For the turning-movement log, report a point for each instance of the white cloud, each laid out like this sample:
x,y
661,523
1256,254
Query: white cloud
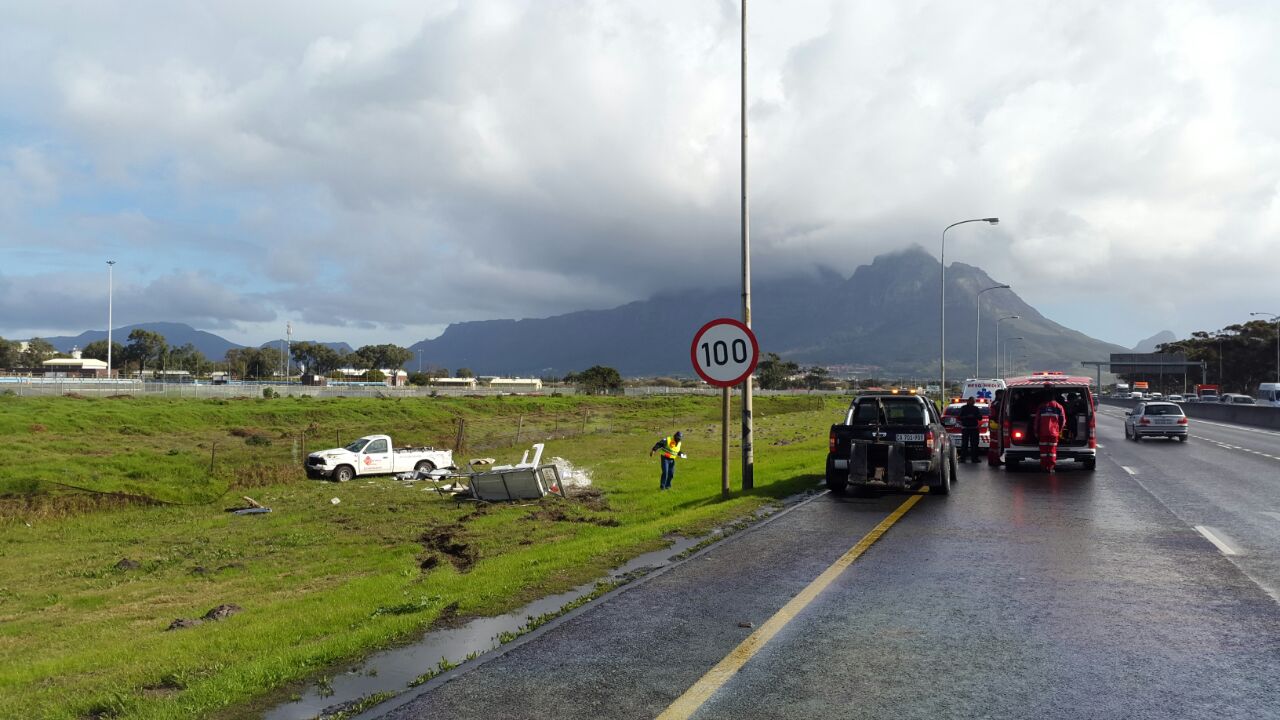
x,y
412,164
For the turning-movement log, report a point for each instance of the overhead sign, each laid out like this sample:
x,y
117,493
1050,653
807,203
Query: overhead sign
x,y
724,352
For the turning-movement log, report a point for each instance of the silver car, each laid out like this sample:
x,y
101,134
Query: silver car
x,y
1155,419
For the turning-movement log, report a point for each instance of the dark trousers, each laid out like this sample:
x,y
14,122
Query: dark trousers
x,y
668,472
969,443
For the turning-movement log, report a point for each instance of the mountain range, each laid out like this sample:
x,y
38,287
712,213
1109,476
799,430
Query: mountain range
x,y
211,346
882,320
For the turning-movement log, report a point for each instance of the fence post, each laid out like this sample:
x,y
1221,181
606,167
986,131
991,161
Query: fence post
x,y
213,451
585,414
519,428
459,442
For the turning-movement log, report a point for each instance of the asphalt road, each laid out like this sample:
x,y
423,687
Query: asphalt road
x,y
1074,595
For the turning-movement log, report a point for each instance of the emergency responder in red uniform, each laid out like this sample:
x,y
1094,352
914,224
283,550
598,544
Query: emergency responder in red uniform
x,y
996,427
1050,418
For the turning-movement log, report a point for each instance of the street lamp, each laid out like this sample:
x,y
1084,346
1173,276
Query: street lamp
x,y
1277,317
111,264
419,361
977,333
942,307
1006,349
998,321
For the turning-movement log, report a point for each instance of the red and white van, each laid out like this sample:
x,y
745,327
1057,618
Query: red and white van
x,y
1023,395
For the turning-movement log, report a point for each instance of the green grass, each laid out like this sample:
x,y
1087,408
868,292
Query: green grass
x,y
319,584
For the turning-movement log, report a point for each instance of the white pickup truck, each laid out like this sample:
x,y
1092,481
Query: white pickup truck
x,y
375,455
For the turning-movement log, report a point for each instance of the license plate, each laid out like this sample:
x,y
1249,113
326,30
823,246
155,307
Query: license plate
x,y
910,437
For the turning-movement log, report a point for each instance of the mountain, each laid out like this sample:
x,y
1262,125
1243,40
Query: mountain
x,y
175,334
1149,345
884,316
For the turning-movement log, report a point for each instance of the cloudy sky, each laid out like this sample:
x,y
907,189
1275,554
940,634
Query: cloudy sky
x,y
374,171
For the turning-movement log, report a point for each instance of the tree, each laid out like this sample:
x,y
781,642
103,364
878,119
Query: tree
x,y
815,376
144,346
383,357
316,358
38,350
1237,357
8,354
774,374
97,350
254,362
186,358
598,380
375,375
464,373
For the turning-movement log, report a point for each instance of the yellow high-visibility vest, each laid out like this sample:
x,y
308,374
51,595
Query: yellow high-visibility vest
x,y
670,448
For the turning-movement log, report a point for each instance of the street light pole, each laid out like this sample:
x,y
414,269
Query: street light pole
x,y
1277,318
111,265
977,333
997,352
748,452
1006,349
942,308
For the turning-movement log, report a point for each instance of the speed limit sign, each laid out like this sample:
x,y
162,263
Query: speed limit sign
x,y
724,352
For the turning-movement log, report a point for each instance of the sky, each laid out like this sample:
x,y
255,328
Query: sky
x,y
374,171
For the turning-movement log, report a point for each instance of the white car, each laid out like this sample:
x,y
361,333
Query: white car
x,y
374,455
1155,419
1176,398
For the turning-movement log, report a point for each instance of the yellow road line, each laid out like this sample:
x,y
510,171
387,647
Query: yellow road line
x,y
693,698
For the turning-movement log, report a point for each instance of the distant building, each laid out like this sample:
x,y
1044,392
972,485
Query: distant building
x,y
394,378
465,383
74,367
515,384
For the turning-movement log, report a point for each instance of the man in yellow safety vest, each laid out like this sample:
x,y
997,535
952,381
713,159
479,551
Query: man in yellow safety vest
x,y
670,447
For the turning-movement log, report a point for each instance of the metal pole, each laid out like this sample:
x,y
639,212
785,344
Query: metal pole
x,y
997,352
111,266
977,333
942,308
748,455
724,442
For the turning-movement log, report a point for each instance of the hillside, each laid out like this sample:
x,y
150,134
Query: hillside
x,y
884,316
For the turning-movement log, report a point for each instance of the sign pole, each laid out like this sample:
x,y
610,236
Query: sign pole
x,y
748,452
724,442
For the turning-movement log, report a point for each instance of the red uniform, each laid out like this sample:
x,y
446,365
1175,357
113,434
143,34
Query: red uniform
x,y
1050,418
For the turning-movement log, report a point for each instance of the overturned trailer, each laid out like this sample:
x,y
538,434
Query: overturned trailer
x,y
525,480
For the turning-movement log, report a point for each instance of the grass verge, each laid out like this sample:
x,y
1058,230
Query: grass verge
x,y
84,633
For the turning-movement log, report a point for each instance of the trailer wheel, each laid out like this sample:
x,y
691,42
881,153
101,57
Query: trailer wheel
x,y
343,473
836,482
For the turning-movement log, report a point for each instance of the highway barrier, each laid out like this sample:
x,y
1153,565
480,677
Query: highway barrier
x,y
1252,415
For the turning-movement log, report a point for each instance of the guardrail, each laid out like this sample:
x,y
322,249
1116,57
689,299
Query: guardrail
x,y
1251,415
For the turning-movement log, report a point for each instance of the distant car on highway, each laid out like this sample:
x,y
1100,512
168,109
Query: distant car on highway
x,y
1236,399
1176,398
1155,419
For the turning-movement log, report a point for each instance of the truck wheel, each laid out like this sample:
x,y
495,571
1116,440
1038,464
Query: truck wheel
x,y
1091,464
1182,438
424,467
943,487
343,473
954,475
836,482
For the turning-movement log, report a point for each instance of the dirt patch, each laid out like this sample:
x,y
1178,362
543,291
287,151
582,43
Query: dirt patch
x,y
444,542
222,612
37,428
245,432
127,564
558,513
590,498
75,395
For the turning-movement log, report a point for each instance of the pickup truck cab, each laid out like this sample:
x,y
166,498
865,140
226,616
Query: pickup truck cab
x,y
374,455
890,441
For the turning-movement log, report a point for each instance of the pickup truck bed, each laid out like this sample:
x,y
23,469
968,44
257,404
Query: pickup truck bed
x,y
890,441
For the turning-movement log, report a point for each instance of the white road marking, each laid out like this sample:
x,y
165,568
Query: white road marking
x,y
1217,542
1128,469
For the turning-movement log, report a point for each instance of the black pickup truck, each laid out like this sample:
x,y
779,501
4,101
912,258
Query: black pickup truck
x,y
890,441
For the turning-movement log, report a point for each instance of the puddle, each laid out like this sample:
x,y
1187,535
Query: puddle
x,y
391,671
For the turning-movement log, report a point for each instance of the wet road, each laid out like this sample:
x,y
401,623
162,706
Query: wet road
x,y
1020,595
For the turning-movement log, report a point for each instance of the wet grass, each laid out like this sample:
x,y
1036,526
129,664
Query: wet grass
x,y
84,635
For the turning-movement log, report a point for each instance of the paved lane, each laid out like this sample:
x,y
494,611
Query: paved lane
x,y
1064,596
1225,480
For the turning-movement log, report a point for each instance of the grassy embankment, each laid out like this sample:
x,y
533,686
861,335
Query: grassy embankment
x,y
319,583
